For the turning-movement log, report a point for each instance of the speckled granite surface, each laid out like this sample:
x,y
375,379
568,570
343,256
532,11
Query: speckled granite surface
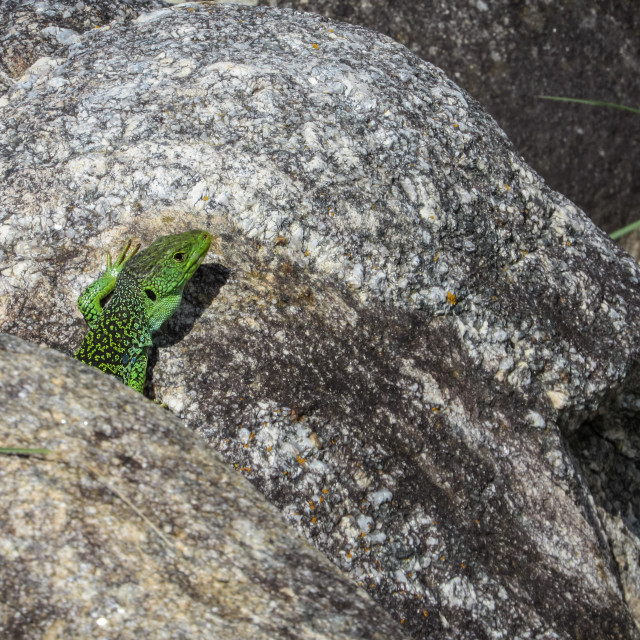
x,y
402,324
133,528
507,54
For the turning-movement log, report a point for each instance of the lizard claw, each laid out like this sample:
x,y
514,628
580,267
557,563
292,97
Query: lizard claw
x,y
123,257
123,253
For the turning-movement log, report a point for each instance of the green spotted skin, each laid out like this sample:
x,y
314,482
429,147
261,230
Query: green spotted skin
x,y
146,289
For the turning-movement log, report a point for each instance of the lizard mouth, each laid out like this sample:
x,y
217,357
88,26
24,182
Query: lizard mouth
x,y
198,254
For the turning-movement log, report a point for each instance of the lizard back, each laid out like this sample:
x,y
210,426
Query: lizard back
x,y
121,334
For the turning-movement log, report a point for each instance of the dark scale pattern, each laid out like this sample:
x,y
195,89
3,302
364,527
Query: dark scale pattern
x,y
148,289
122,334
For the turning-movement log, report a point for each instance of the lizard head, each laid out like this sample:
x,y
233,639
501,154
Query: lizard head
x,y
162,270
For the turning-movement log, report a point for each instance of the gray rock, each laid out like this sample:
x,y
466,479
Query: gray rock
x,y
33,29
5,82
131,528
401,328
506,54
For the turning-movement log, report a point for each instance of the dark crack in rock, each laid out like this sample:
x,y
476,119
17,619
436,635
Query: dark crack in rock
x,y
401,328
133,528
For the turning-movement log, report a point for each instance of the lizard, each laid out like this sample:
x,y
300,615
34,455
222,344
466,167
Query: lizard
x,y
146,289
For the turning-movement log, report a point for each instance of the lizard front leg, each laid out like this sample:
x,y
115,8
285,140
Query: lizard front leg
x,y
90,300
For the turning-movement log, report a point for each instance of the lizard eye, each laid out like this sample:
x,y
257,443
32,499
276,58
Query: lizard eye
x,y
180,256
150,294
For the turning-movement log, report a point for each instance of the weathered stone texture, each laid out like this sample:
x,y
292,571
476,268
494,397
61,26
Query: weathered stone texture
x,y
506,54
33,29
131,528
403,323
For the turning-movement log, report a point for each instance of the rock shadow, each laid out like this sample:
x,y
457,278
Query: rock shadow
x,y
198,295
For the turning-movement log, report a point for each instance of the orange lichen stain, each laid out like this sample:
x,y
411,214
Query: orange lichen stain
x,y
463,565
402,621
425,613
442,557
348,554
245,468
455,125
507,187
205,198
252,435
321,500
246,446
301,460
315,46
435,409
284,473
311,505
568,243
313,519
436,257
268,448
325,491
306,253
451,298
236,465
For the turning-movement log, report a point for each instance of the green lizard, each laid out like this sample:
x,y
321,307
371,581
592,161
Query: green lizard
x,y
147,289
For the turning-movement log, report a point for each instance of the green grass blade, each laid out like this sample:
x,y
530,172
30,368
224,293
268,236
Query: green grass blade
x,y
623,232
24,452
593,103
